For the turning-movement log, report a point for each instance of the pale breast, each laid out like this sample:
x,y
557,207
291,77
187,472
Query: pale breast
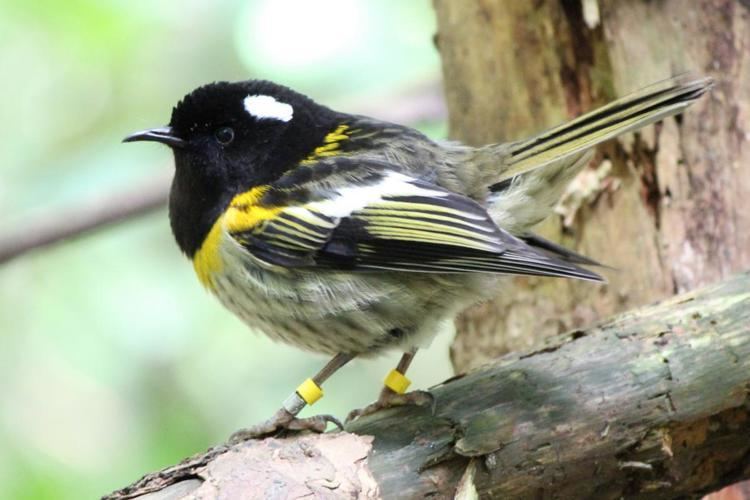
x,y
330,312
327,313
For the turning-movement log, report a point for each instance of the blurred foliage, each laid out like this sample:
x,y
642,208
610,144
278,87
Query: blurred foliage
x,y
113,360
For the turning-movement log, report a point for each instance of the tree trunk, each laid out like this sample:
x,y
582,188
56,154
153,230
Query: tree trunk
x,y
667,207
653,404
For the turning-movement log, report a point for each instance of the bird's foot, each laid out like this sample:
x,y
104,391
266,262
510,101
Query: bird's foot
x,y
283,421
390,399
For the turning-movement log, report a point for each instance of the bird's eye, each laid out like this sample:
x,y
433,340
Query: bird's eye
x,y
224,135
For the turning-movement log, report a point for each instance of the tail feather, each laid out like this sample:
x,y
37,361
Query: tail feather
x,y
552,248
627,114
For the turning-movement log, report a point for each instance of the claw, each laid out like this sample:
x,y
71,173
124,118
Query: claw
x,y
282,421
318,423
390,399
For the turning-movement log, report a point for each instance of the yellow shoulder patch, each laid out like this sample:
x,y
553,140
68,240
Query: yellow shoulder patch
x,y
243,214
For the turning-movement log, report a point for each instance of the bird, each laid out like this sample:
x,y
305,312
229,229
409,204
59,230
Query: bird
x,y
350,236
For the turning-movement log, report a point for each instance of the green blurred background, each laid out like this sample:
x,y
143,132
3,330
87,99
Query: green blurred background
x,y
113,360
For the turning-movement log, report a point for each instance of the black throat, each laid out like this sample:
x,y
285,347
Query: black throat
x,y
194,207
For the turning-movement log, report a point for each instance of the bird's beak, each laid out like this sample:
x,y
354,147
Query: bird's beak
x,y
165,135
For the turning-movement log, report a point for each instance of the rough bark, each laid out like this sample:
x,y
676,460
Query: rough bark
x,y
666,207
654,403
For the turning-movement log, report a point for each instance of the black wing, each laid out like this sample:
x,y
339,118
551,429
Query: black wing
x,y
390,221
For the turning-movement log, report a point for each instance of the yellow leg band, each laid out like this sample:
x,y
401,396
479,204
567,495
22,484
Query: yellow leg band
x,y
397,381
310,391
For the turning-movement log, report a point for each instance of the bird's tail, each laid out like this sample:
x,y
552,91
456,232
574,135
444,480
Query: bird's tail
x,y
627,114
535,172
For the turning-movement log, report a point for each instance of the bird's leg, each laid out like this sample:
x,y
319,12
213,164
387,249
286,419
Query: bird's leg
x,y
306,394
394,393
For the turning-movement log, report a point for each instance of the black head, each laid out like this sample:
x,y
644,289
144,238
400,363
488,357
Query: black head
x,y
229,137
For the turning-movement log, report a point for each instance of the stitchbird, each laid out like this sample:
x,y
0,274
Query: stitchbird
x,y
346,235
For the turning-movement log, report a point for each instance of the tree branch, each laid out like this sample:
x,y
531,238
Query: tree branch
x,y
654,403
414,105
80,219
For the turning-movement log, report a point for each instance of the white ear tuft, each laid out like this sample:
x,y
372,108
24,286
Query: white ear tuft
x,y
265,106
